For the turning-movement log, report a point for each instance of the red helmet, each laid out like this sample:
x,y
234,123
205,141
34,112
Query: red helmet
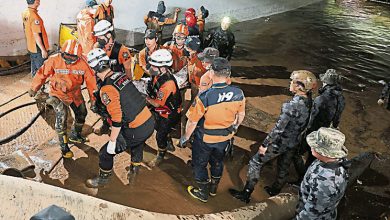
x,y
191,21
71,51
189,12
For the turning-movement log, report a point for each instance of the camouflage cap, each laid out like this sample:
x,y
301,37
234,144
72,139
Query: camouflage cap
x,y
330,77
328,142
221,67
208,54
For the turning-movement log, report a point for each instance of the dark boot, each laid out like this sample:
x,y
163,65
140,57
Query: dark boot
x,y
214,185
99,181
244,195
75,134
170,146
201,193
104,129
133,172
271,190
65,150
158,159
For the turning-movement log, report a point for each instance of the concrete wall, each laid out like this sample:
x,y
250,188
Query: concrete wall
x,y
129,15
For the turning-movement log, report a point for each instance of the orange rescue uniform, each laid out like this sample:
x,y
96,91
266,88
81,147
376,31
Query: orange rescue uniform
x,y
33,23
143,56
195,70
216,111
85,24
163,93
206,82
124,57
104,13
179,60
66,80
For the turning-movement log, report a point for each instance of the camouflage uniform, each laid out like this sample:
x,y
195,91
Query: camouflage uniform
x,y
386,94
321,190
326,111
282,140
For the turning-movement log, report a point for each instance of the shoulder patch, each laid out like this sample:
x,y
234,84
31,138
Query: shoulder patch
x,y
160,95
37,22
105,99
125,55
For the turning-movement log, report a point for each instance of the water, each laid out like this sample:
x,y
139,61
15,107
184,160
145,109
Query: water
x,y
350,36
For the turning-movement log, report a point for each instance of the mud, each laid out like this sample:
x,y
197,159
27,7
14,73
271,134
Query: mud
x,y
347,35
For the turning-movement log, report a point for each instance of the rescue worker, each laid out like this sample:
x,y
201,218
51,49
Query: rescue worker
x,y
176,47
132,122
105,11
222,39
207,58
284,138
119,55
105,34
151,46
385,95
156,20
66,71
214,116
85,24
326,179
36,36
327,107
164,96
191,22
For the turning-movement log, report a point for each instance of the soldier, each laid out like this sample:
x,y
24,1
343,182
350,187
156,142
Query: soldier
x,y
285,136
327,107
385,95
132,122
222,39
67,71
164,97
215,117
326,179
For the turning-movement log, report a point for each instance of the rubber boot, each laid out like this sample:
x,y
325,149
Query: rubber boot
x,y
244,195
170,146
201,193
272,190
101,180
214,185
65,150
75,134
104,129
158,159
133,172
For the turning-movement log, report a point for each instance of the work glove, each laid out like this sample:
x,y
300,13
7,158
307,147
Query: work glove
x,y
381,102
31,93
111,147
182,142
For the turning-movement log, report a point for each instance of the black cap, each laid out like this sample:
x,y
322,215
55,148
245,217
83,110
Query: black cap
x,y
30,2
150,33
221,66
193,43
208,54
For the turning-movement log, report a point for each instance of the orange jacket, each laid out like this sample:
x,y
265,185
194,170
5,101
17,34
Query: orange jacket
x,y
195,70
201,24
33,23
85,23
179,60
65,80
143,55
104,13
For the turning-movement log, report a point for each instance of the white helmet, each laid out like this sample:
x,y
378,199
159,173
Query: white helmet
x,y
98,60
102,27
161,57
